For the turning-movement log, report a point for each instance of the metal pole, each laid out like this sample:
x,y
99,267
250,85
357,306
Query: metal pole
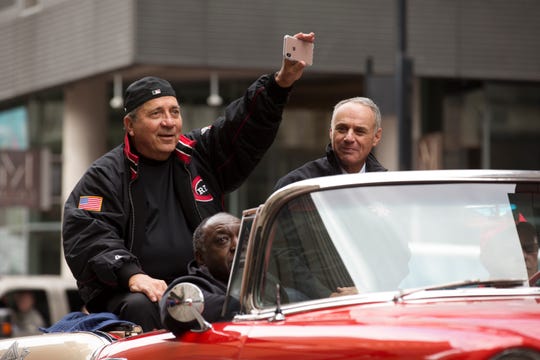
x,y
403,89
486,138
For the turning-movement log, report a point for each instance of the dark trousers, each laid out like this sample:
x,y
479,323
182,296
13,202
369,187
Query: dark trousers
x,y
134,307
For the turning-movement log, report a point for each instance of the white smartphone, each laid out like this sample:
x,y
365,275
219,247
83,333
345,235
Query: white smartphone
x,y
295,49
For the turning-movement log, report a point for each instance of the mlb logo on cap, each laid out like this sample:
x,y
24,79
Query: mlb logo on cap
x,y
145,89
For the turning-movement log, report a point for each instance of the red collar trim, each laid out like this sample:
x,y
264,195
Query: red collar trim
x,y
183,151
133,159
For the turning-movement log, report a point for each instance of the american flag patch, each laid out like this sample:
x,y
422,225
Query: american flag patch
x,y
90,203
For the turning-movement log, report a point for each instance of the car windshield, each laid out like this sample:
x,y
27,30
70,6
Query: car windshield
x,y
387,238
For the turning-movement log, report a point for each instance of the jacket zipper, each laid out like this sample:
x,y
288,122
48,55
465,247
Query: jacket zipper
x,y
132,238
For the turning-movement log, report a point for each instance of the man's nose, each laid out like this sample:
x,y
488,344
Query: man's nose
x,y
234,244
349,135
167,120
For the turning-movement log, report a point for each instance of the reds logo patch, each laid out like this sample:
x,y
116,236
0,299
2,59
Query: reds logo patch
x,y
200,191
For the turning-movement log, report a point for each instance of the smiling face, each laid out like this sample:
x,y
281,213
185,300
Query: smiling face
x,y
156,127
353,134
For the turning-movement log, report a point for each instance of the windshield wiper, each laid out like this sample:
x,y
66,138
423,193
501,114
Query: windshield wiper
x,y
495,283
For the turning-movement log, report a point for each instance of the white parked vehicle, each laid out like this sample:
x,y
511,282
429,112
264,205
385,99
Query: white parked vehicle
x,y
55,296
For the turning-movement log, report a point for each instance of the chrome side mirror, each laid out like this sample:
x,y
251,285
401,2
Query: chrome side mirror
x,y
185,303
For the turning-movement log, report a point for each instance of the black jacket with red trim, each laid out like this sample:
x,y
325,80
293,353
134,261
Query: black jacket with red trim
x,y
210,162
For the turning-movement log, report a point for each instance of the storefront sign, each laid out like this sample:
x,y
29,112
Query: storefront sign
x,y
25,178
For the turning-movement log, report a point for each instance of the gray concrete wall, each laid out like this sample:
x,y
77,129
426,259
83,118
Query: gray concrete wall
x,y
64,42
73,39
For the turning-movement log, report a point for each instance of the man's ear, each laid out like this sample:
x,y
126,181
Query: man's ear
x,y
199,258
377,137
128,125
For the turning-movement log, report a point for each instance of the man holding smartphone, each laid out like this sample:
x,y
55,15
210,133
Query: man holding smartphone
x,y
128,223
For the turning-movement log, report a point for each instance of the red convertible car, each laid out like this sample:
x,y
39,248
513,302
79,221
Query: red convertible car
x,y
397,265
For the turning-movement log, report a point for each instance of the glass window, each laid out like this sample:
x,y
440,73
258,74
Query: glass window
x,y
31,134
231,304
388,238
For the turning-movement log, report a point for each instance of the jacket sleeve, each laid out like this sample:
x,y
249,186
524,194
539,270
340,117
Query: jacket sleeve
x,y
235,143
311,169
93,238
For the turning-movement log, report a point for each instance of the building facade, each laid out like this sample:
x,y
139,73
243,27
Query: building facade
x,y
472,93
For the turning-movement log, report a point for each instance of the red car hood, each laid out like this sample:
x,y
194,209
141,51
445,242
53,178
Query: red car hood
x,y
450,325
457,328
519,315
